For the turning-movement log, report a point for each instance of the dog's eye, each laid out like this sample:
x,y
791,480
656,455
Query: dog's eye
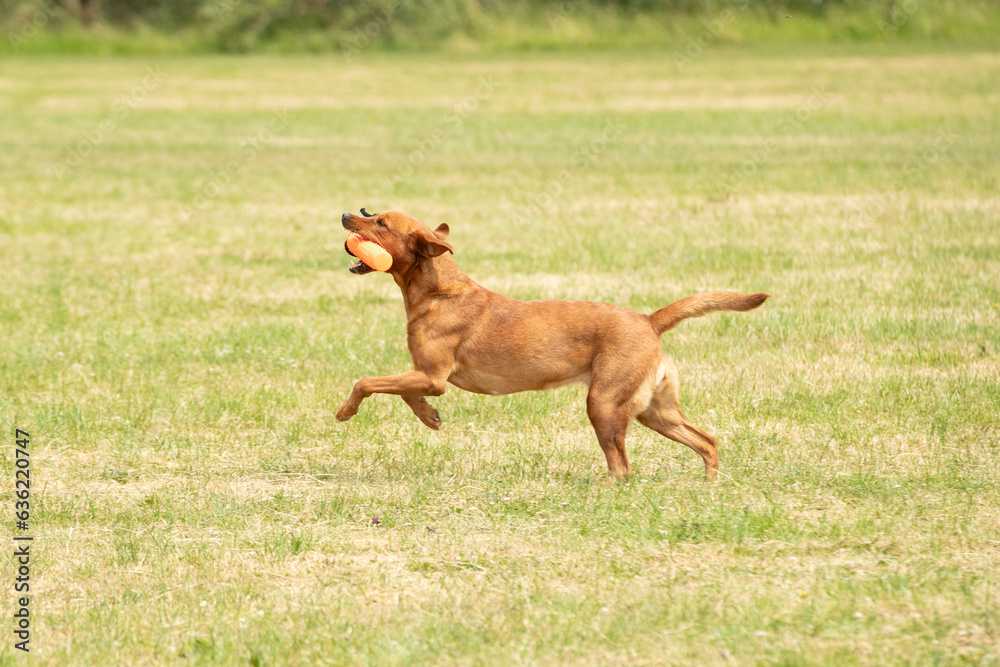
x,y
380,223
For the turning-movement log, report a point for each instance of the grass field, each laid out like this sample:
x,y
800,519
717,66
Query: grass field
x,y
178,329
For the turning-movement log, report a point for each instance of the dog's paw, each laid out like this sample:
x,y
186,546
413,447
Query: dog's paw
x,y
424,411
345,412
431,418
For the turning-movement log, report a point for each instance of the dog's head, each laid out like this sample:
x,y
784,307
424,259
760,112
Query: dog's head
x,y
408,240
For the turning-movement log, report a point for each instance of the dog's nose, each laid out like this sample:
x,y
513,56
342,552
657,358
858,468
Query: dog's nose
x,y
345,217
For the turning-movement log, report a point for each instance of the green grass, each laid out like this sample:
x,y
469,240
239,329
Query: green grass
x,y
196,502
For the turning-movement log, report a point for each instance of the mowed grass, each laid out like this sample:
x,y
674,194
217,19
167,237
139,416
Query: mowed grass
x,y
178,349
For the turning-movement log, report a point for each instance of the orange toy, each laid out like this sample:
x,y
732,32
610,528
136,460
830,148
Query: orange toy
x,y
369,252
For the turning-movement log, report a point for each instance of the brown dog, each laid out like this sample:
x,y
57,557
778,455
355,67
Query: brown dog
x,y
480,341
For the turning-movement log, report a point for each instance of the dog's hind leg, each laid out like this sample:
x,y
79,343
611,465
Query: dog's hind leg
x,y
610,421
664,416
424,410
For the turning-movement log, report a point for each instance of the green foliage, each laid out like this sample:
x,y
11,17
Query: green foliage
x,y
352,26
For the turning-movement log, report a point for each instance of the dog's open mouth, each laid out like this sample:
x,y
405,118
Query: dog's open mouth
x,y
358,267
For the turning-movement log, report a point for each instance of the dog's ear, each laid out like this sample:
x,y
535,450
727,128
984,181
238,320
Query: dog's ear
x,y
442,230
432,244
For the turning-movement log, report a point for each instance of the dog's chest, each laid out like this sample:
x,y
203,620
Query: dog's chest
x,y
479,381
511,378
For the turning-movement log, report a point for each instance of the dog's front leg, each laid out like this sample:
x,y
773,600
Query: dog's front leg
x,y
411,386
424,410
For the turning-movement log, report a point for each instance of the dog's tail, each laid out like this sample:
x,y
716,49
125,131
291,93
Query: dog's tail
x,y
702,304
